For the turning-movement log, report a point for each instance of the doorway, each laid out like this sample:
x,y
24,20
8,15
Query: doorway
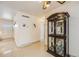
x,y
7,43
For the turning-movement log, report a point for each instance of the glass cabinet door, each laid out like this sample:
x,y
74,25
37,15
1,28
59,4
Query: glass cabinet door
x,y
51,43
58,36
60,27
60,46
51,27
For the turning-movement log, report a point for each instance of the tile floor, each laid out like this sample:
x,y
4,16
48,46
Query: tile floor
x,y
8,49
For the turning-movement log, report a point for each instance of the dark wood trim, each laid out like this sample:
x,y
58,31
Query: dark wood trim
x,y
55,37
61,2
53,53
58,36
56,55
54,18
65,37
48,34
68,37
53,15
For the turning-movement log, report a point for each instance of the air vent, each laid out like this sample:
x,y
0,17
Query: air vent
x,y
25,16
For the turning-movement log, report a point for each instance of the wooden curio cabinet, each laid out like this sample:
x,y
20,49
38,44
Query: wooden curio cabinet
x,y
58,34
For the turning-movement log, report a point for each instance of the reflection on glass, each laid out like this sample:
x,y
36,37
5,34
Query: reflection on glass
x,y
60,27
51,43
60,46
51,27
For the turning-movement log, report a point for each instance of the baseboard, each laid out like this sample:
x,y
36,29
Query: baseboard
x,y
71,55
29,44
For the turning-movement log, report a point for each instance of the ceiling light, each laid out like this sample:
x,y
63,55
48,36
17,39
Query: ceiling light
x,y
46,4
16,25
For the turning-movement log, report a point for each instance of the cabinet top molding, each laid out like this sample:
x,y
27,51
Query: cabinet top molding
x,y
56,15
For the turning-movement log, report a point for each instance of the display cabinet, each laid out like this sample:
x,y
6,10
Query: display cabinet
x,y
58,34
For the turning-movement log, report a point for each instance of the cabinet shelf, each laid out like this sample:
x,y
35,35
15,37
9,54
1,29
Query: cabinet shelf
x,y
59,36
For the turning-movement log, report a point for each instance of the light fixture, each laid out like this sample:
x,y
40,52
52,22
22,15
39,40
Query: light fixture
x,y
46,4
16,25
61,2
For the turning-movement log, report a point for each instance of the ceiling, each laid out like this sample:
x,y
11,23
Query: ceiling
x,y
31,7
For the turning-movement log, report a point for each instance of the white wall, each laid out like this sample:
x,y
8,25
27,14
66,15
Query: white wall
x,y
43,29
73,10
25,35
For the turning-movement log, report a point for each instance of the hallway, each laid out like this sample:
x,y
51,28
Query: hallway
x,y
9,49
